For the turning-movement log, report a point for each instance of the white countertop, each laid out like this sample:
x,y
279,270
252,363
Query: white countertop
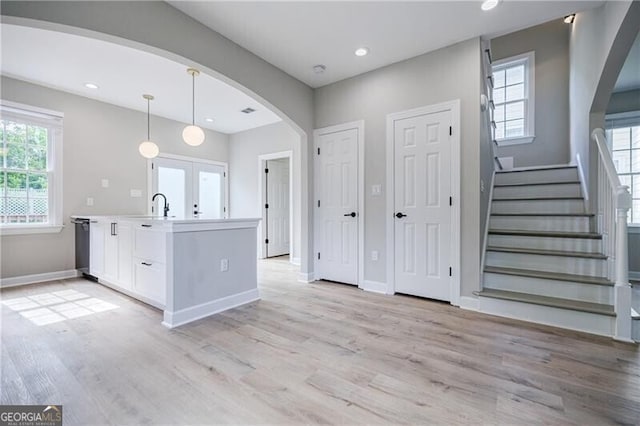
x,y
174,221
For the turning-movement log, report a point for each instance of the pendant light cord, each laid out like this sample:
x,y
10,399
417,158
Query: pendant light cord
x,y
193,99
148,121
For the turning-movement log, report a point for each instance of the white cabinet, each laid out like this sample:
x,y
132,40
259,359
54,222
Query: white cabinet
x,y
150,242
110,252
96,242
150,280
125,254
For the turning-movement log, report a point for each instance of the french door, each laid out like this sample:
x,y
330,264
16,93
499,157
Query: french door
x,y
192,188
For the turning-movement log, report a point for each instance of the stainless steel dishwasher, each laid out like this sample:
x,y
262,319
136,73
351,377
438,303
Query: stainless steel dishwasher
x,y
83,246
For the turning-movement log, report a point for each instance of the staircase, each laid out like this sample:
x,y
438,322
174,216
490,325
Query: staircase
x,y
544,260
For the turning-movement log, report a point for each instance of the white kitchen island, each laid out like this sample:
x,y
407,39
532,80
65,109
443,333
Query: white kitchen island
x,y
190,268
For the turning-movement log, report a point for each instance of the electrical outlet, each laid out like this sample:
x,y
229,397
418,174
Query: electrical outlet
x,y
105,183
224,265
376,190
374,255
90,201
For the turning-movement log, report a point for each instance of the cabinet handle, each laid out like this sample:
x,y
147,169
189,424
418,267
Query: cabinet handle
x,y
146,264
146,226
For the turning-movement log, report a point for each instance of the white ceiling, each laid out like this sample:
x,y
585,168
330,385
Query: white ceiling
x,y
63,61
629,78
295,36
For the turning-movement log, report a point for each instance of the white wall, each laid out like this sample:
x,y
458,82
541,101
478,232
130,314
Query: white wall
x,y
160,28
550,41
443,75
244,149
599,43
100,141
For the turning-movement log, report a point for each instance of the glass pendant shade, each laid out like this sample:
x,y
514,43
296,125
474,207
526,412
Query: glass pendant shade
x,y
148,149
193,135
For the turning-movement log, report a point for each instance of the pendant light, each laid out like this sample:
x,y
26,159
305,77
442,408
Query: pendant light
x,y
147,148
193,135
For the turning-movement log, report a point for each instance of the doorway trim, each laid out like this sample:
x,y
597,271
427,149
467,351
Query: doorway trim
x,y
223,164
262,251
359,126
454,107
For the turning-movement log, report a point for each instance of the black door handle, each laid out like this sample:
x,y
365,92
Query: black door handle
x,y
400,215
352,214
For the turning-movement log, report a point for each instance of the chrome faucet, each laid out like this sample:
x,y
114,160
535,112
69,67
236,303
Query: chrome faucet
x,y
166,205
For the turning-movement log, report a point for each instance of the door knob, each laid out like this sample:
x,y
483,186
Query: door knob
x,y
400,215
352,214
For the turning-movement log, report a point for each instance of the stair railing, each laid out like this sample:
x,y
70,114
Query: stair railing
x,y
488,106
614,202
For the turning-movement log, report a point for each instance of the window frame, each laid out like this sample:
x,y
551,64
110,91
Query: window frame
x,y
528,59
53,121
623,121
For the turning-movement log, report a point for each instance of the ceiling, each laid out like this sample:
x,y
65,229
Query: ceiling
x,y
295,36
629,77
66,62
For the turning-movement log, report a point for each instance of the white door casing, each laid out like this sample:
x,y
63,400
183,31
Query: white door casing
x,y
423,247
339,212
276,208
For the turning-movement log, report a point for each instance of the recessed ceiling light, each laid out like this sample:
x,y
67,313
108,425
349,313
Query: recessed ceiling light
x,y
570,18
209,120
91,85
489,4
362,51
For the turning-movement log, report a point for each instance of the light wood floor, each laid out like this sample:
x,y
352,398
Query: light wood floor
x,y
313,353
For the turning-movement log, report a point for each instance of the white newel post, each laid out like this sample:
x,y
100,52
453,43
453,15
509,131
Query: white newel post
x,y
622,286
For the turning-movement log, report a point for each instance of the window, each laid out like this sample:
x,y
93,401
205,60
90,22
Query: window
x,y
625,150
30,169
513,97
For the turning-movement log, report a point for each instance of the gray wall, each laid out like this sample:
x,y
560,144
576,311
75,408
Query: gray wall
x,y
160,28
446,74
624,101
100,141
244,149
550,41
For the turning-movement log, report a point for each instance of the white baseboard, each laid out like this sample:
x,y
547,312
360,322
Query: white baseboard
x,y
295,261
37,278
374,287
469,303
306,277
184,316
634,275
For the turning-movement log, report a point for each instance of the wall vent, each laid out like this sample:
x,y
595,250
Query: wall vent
x,y
248,110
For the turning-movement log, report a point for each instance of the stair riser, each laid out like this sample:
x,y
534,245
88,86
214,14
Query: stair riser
x,y
635,330
560,264
551,288
538,206
542,223
565,318
537,176
583,245
564,190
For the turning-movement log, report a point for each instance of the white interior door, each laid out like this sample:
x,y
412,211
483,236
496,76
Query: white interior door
x,y
338,209
173,178
191,187
276,212
208,191
422,176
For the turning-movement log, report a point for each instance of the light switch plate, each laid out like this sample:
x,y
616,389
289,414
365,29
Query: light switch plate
x,y
376,190
136,193
90,201
224,265
374,255
105,183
